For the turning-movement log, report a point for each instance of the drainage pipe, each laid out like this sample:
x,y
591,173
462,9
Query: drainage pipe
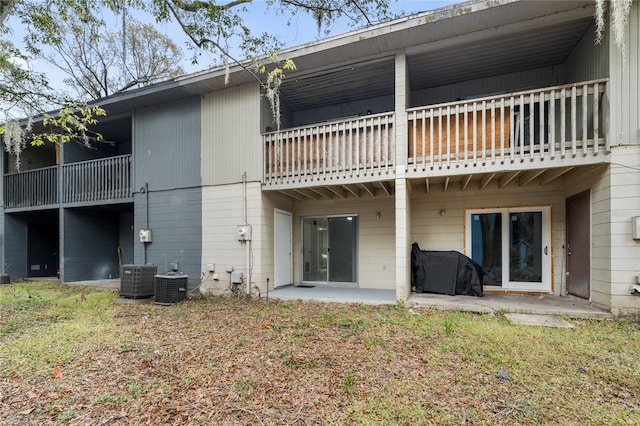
x,y
248,242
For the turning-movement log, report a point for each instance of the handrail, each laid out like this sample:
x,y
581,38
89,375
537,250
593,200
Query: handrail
x,y
362,146
558,121
97,180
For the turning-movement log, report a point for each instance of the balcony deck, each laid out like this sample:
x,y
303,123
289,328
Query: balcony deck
x,y
357,150
531,131
101,181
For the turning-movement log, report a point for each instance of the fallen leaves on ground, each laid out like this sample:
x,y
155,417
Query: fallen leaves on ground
x,y
237,361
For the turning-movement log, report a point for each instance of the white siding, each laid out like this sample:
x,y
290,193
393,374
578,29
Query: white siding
x,y
231,142
222,212
625,85
432,231
264,254
625,252
376,237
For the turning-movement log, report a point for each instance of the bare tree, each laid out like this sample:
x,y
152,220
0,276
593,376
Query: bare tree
x,y
100,62
214,26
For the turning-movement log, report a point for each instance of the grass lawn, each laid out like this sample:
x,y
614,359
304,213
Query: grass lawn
x,y
70,355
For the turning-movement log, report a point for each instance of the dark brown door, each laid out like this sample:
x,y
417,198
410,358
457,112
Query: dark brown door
x,y
579,245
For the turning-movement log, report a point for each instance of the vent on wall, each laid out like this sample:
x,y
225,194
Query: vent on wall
x,y
136,281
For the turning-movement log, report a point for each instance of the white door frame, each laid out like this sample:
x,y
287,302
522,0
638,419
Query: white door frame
x,y
282,248
545,285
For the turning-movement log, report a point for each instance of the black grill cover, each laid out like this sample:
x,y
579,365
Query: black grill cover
x,y
445,272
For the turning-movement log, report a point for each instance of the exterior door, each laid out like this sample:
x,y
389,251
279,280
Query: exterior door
x,y
43,250
513,246
283,228
579,245
329,249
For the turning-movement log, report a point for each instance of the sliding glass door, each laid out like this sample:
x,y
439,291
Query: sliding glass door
x,y
512,246
329,246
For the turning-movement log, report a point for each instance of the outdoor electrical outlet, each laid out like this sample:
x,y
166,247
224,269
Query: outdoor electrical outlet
x,y
211,267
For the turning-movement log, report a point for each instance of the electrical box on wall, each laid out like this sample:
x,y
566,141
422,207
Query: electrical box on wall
x,y
145,235
244,232
635,228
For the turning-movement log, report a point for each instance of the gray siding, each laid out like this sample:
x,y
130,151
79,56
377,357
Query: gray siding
x,y
530,79
32,157
3,265
231,142
175,218
74,152
167,145
126,235
588,61
90,245
344,110
15,244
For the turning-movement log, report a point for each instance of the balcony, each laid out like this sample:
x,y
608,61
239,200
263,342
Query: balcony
x,y
101,181
340,152
105,179
531,131
32,188
552,127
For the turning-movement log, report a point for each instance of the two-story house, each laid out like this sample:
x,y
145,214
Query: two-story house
x,y
498,129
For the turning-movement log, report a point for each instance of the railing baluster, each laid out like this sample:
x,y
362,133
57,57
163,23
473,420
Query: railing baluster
x,y
552,123
440,156
532,120
563,122
484,131
448,118
431,133
542,127
502,125
379,144
474,111
465,132
457,139
596,118
585,96
358,161
574,135
522,130
493,131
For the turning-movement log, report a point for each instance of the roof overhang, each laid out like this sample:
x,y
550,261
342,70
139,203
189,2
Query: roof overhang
x,y
476,29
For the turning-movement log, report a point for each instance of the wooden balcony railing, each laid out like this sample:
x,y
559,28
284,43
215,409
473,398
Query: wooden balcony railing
x,y
97,180
31,188
553,122
360,147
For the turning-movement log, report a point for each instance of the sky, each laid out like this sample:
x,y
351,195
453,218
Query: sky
x,y
302,30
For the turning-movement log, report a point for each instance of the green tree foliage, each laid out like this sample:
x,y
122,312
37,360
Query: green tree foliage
x,y
210,25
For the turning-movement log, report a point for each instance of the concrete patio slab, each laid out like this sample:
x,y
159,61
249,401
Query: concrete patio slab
x,y
493,303
539,320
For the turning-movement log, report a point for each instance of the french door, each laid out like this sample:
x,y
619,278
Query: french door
x,y
513,246
329,249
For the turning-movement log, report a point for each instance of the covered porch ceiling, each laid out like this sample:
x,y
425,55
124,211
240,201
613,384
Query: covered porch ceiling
x,y
512,37
523,179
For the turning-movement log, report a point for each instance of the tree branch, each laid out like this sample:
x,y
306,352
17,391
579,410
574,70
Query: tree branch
x,y
196,5
202,41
